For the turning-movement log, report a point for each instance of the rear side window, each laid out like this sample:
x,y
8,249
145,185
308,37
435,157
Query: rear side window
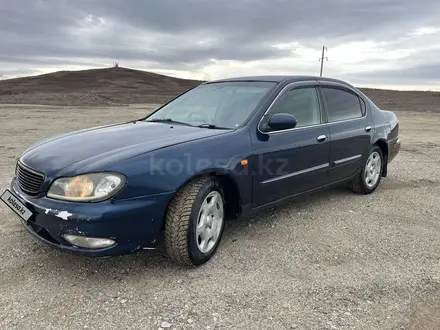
x,y
342,105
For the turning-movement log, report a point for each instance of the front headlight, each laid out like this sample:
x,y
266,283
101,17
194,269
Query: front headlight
x,y
91,187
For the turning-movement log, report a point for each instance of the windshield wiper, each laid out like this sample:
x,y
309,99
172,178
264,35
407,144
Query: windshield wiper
x,y
211,126
168,120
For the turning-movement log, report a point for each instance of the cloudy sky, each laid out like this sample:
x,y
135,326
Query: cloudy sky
x,y
378,43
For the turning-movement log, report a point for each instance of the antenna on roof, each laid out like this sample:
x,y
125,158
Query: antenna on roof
x,y
322,58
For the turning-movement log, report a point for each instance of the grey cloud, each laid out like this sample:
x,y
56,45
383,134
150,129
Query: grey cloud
x,y
5,74
37,32
169,54
31,60
276,18
427,73
185,54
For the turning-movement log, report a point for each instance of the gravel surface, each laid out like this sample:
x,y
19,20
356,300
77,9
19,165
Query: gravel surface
x,y
334,260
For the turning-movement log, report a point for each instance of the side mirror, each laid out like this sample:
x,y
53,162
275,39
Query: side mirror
x,y
281,121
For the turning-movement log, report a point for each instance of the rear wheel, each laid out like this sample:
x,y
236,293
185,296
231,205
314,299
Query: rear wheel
x,y
194,222
371,173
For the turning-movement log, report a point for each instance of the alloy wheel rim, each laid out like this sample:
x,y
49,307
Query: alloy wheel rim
x,y
209,222
372,169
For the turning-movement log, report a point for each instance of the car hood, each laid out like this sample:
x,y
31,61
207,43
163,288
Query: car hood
x,y
96,148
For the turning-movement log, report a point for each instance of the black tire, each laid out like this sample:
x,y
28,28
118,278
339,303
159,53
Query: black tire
x,y
357,184
181,221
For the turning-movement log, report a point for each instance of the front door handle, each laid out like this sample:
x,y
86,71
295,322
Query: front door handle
x,y
368,129
321,138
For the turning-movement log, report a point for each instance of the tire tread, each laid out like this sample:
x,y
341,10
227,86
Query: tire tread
x,y
177,221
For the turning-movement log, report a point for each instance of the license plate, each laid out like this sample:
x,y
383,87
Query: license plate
x,y
14,203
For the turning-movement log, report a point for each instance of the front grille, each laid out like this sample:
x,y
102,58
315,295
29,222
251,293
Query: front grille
x,y
29,181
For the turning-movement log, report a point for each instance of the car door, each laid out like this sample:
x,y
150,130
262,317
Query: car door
x,y
351,128
288,162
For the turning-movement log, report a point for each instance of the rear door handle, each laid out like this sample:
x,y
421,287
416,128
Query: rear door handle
x,y
321,138
368,129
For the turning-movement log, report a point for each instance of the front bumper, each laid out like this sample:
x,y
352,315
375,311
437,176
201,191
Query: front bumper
x,y
133,223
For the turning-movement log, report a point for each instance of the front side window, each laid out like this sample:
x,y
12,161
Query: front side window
x,y
302,103
223,104
341,105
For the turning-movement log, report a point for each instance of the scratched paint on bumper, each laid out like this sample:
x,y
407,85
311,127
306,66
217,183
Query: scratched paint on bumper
x,y
134,223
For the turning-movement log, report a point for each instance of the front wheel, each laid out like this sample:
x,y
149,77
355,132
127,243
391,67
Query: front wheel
x,y
371,173
194,222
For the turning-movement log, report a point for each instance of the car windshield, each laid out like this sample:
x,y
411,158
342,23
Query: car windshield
x,y
223,105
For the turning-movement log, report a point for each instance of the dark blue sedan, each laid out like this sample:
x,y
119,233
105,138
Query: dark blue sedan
x,y
221,150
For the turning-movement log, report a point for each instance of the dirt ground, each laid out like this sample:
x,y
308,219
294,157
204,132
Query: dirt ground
x,y
334,260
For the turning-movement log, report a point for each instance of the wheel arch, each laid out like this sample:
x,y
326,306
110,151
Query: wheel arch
x,y
232,193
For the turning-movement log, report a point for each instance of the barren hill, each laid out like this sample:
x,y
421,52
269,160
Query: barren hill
x,y
93,87
404,100
115,86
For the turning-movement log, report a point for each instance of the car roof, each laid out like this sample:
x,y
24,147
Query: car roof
x,y
276,79
280,79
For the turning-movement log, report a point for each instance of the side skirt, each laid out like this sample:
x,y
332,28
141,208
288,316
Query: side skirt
x,y
248,209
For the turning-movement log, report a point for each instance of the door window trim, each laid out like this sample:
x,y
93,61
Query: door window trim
x,y
291,86
319,85
333,85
